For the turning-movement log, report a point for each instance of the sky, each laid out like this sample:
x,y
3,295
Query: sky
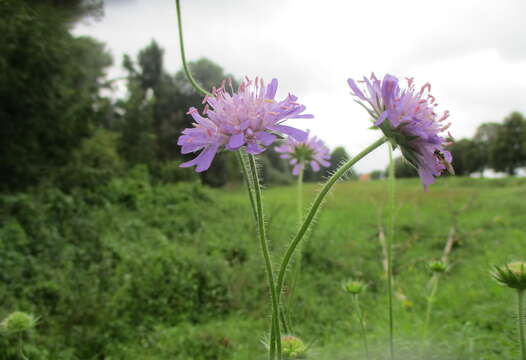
x,y
473,53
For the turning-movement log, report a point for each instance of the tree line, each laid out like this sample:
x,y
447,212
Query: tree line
x,y
500,146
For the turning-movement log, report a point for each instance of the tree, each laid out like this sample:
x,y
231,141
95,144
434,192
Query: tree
x,y
48,91
468,156
508,151
403,169
338,156
484,141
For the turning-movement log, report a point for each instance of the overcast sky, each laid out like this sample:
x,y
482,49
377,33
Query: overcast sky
x,y
472,52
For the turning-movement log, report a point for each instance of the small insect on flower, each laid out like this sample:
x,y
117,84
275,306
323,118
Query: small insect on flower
x,y
412,123
512,275
311,151
249,118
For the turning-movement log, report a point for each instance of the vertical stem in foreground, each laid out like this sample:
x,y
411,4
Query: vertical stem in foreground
x,y
287,324
390,237
520,310
362,325
300,196
275,343
243,163
430,301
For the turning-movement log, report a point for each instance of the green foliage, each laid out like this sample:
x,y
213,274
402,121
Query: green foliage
x,y
142,271
403,169
95,163
509,150
46,93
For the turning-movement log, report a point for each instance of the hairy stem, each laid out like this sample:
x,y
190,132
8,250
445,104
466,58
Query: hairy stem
x,y
362,325
297,263
390,237
300,196
243,164
520,311
430,301
275,330
316,205
186,69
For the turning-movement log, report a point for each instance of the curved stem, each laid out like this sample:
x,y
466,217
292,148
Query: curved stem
x,y
362,325
390,250
316,205
520,310
194,83
275,331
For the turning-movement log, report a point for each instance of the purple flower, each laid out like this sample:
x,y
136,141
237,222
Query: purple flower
x,y
249,117
411,122
311,151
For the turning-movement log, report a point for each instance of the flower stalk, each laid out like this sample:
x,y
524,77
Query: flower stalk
x,y
360,316
389,245
275,328
522,320
186,69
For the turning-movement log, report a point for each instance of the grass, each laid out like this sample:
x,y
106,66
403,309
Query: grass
x,y
472,318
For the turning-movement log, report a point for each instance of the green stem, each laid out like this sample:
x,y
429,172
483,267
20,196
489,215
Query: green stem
x,y
520,310
243,163
300,196
362,325
390,250
297,264
186,69
275,331
430,301
316,205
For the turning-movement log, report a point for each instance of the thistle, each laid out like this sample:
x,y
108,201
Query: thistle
x,y
513,275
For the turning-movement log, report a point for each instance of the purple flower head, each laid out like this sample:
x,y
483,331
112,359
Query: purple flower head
x,y
411,122
249,117
311,151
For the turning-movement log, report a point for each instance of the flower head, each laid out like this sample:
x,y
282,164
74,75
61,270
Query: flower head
x,y
437,267
249,117
353,287
412,122
18,322
293,347
310,151
512,275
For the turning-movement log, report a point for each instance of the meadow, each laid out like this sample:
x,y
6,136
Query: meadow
x,y
143,271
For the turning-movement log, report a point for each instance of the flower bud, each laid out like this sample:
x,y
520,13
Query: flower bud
x,y
18,322
512,275
354,287
293,348
437,267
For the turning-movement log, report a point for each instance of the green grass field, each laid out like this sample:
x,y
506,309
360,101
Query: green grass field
x,y
177,271
473,318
